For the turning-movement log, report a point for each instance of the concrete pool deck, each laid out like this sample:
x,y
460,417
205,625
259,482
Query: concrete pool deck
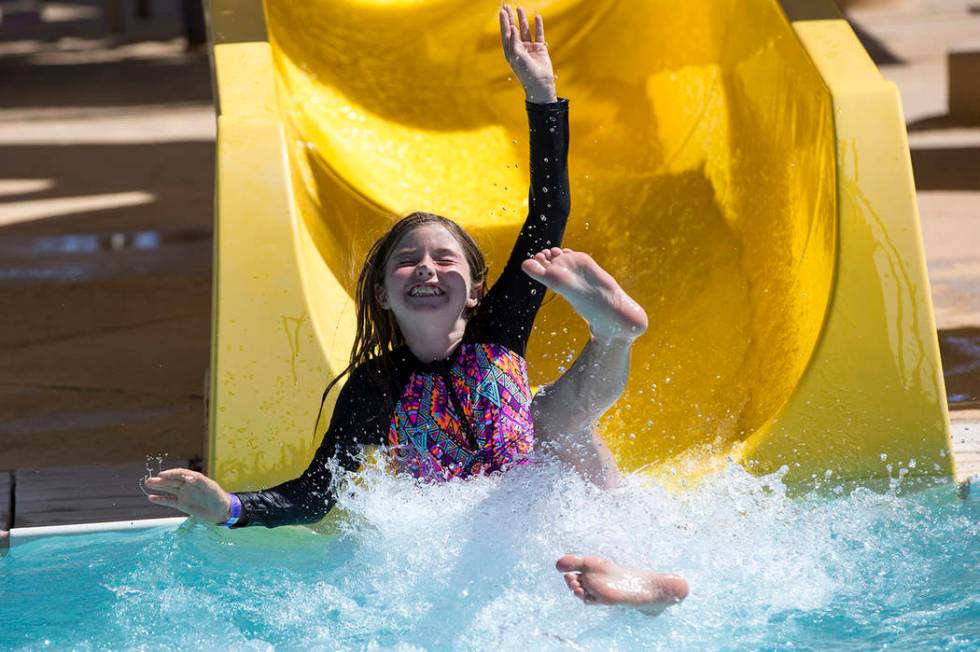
x,y
105,238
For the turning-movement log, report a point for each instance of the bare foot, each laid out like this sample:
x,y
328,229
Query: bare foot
x,y
595,295
595,580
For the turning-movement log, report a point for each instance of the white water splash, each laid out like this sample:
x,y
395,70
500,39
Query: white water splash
x,y
470,565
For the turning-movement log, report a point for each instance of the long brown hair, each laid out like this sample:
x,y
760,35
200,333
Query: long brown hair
x,y
377,330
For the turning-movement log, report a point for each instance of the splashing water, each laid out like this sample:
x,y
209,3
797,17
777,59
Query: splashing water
x,y
470,565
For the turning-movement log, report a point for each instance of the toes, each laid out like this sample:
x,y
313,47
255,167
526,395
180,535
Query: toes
x,y
575,581
568,563
674,586
574,563
575,586
533,267
571,579
597,565
546,253
556,251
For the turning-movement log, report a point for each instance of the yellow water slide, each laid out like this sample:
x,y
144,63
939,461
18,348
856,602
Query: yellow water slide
x,y
740,166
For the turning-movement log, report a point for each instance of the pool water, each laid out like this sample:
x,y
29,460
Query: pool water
x,y
470,566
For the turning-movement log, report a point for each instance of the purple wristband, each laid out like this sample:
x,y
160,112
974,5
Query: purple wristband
x,y
235,510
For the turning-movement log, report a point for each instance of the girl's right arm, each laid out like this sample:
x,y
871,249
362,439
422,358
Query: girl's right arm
x,y
303,500
308,498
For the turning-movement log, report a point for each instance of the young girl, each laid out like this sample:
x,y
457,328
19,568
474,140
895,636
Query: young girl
x,y
438,374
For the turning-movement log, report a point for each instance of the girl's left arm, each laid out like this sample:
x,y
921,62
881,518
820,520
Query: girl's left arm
x,y
547,114
510,307
549,196
528,55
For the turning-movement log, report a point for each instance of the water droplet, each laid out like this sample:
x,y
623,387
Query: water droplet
x,y
544,218
544,188
514,141
545,159
883,456
533,291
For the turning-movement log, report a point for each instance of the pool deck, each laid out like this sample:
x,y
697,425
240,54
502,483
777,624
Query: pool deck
x,y
82,494
965,441
106,192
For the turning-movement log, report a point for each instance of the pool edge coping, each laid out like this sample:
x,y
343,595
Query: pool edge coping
x,y
25,534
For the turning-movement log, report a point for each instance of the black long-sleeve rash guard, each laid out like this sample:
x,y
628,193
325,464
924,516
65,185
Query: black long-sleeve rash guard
x,y
362,414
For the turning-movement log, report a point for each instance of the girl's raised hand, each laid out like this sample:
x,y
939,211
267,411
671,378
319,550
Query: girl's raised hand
x,y
528,55
191,492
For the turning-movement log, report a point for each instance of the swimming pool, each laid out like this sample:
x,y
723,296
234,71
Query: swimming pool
x,y
469,565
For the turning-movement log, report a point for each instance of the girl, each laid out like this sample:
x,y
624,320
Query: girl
x,y
438,372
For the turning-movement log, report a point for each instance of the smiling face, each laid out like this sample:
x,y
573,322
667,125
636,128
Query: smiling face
x,y
427,276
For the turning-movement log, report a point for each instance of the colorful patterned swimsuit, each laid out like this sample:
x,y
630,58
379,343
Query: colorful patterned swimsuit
x,y
468,414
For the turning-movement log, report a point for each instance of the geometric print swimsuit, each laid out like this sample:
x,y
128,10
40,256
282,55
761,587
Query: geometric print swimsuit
x,y
470,416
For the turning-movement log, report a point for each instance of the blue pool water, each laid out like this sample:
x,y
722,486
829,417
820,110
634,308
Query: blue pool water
x,y
470,566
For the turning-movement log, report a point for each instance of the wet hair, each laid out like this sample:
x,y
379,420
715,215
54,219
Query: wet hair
x,y
378,333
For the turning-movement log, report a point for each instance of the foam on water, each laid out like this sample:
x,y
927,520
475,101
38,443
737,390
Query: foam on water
x,y
470,565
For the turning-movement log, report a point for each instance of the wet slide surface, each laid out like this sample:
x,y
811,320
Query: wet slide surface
x,y
702,171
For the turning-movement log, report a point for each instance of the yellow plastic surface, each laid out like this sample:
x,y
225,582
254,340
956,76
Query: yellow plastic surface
x,y
873,400
779,260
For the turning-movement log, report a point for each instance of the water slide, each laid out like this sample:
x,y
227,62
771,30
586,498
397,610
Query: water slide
x,y
741,167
